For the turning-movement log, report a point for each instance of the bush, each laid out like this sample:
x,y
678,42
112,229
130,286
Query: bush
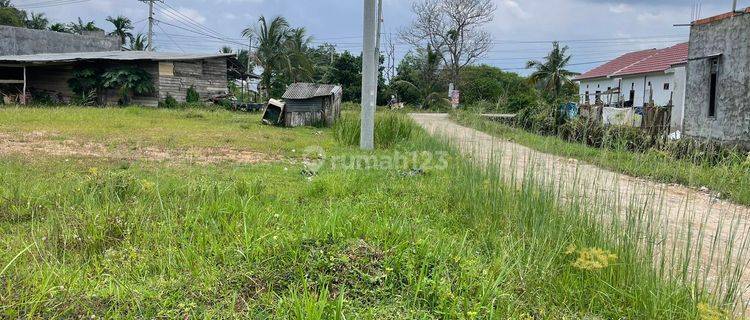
x,y
192,95
390,129
406,92
169,103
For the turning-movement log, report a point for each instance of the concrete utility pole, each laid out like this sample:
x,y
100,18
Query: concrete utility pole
x,y
369,75
150,46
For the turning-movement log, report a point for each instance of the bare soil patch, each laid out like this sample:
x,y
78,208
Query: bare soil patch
x,y
49,144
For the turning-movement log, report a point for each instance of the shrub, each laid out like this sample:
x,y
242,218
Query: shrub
x,y
390,129
192,95
169,102
128,81
406,92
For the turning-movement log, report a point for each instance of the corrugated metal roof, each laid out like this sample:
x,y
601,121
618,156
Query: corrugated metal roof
x,y
297,91
659,62
108,55
617,64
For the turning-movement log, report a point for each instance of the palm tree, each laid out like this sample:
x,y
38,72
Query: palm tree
x,y
270,53
80,27
297,60
226,49
59,27
123,26
37,21
138,43
551,74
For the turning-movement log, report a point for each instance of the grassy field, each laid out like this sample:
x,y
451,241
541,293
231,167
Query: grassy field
x,y
427,237
729,181
142,127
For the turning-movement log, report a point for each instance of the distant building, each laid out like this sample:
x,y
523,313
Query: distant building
x,y
173,73
718,80
638,77
309,104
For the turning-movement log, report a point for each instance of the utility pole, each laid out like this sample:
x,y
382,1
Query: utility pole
x,y
369,76
150,24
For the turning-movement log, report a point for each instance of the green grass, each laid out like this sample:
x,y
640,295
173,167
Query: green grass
x,y
148,127
82,237
731,181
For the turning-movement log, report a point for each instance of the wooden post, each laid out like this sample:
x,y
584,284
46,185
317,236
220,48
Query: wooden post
x,y
23,99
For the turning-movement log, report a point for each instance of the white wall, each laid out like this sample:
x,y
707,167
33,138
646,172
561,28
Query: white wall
x,y
678,112
641,85
594,85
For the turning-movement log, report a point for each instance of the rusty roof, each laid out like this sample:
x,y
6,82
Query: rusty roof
x,y
301,91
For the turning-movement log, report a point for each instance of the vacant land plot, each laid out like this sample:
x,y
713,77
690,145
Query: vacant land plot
x,y
427,236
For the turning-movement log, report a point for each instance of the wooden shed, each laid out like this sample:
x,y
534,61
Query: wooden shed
x,y
309,104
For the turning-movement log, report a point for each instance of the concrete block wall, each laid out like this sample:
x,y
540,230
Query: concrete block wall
x,y
729,38
19,41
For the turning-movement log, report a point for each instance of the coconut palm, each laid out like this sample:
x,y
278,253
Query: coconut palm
x,y
270,53
37,21
123,25
60,27
551,74
297,60
80,27
138,43
226,49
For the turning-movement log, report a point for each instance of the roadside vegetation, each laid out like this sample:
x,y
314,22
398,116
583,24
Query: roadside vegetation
x,y
701,165
418,238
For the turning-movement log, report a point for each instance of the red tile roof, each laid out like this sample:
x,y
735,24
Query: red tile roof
x,y
719,17
659,62
618,64
639,62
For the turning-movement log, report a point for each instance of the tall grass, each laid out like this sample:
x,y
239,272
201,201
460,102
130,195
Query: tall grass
x,y
87,238
390,129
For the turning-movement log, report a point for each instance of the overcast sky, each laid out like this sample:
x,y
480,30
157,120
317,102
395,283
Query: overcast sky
x,y
627,25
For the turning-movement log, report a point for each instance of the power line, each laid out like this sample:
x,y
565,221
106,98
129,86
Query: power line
x,y
48,4
198,32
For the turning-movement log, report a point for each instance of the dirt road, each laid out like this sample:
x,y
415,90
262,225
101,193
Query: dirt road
x,y
711,228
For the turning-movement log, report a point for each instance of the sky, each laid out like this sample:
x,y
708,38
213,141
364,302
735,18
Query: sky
x,y
595,31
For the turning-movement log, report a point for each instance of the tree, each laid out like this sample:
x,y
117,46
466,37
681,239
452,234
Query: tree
x,y
453,29
138,43
270,53
10,15
80,27
506,91
421,70
123,25
551,74
347,71
226,49
298,63
59,27
37,21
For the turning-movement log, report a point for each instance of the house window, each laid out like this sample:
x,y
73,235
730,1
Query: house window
x,y
587,98
666,86
713,82
598,97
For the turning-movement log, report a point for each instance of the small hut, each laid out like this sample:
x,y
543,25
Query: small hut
x,y
309,104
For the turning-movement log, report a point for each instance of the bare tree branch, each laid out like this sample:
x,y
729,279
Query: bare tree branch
x,y
453,28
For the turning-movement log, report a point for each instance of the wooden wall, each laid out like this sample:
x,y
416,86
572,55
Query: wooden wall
x,y
208,77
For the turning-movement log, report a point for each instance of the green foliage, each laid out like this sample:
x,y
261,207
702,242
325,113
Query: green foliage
x,y
138,43
128,81
552,76
10,16
37,21
192,95
81,27
85,80
347,71
405,92
123,27
509,92
169,103
390,129
60,27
